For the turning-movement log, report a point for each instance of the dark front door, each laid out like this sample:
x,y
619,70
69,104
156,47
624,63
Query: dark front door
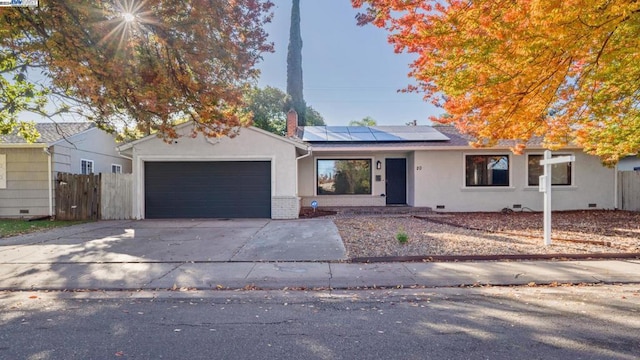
x,y
223,189
396,180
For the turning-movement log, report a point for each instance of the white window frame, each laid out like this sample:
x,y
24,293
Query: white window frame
x,y
571,164
90,166
118,168
489,187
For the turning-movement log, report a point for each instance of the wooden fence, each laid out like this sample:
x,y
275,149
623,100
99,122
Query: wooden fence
x,y
77,197
93,197
629,189
116,194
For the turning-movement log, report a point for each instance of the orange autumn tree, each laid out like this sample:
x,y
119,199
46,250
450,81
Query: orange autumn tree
x,y
132,66
567,71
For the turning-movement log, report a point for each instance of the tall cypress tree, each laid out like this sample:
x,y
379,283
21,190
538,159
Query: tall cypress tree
x,y
294,66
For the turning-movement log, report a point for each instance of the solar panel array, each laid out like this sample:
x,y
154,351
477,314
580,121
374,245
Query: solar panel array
x,y
371,133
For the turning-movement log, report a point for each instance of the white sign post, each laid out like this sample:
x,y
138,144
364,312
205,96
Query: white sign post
x,y
545,187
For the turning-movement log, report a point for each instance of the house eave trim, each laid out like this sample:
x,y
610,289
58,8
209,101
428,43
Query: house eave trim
x,y
24,145
67,139
303,146
429,148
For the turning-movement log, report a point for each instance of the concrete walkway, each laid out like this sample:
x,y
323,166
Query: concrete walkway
x,y
308,275
130,255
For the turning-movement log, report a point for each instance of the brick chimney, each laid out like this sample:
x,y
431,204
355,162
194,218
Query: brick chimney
x,y
292,123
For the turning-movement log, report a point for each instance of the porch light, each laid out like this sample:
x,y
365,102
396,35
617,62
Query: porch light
x,y
378,165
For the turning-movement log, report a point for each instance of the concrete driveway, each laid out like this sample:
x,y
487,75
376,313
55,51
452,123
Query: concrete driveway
x,y
160,241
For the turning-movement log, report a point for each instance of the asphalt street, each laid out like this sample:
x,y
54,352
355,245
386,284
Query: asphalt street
x,y
566,322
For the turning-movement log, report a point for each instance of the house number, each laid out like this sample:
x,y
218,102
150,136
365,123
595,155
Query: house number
x,y
418,168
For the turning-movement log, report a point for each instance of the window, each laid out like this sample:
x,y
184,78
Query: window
x,y
86,166
487,170
344,177
116,169
560,173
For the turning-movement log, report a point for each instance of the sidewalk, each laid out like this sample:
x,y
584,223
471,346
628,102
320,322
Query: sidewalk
x,y
237,254
307,275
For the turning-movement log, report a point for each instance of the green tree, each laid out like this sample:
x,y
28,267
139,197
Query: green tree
x,y
267,107
294,66
17,95
313,117
269,110
133,64
366,121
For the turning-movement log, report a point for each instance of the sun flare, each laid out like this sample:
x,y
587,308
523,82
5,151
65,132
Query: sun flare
x,y
128,17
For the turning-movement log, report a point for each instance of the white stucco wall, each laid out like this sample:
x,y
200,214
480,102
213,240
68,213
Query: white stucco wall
x,y
411,179
441,182
307,179
250,145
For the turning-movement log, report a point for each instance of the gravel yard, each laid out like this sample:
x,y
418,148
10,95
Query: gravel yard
x,y
574,232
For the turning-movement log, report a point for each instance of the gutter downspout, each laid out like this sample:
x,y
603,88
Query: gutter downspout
x,y
309,152
50,179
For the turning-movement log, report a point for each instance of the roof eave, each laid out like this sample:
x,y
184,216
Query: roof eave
x,y
300,145
68,138
425,148
24,145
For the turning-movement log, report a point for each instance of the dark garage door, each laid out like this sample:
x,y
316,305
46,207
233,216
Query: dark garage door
x,y
222,189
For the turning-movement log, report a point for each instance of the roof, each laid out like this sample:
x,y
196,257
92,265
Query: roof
x,y
409,138
368,134
293,141
50,132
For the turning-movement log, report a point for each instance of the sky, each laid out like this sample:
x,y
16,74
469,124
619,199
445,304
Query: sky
x,y
349,72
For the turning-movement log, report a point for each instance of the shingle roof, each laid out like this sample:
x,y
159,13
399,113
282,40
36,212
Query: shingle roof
x,y
455,137
50,132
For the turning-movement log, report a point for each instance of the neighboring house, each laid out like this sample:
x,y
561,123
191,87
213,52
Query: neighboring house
x,y
258,174
629,163
28,170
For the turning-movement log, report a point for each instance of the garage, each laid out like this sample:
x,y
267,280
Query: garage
x,y
207,189
250,175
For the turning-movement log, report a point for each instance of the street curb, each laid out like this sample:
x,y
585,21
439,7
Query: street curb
x,y
463,258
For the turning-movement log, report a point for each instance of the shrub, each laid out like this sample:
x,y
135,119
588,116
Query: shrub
x,y
402,237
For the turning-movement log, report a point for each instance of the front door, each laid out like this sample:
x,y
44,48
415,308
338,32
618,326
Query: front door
x,y
396,181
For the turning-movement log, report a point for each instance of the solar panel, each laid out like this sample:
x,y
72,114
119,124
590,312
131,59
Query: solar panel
x,y
337,129
371,134
394,128
383,136
314,133
359,129
362,136
331,136
421,136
